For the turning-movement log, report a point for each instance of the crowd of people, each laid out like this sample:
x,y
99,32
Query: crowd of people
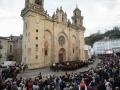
x,y
105,76
12,71
69,65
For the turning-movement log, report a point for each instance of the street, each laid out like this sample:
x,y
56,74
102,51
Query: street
x,y
47,71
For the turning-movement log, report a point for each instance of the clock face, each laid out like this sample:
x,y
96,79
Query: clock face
x,y
61,40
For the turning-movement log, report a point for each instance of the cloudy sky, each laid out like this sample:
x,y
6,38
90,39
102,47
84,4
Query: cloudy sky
x,y
98,14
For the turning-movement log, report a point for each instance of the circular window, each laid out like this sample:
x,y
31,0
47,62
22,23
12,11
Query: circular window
x,y
61,40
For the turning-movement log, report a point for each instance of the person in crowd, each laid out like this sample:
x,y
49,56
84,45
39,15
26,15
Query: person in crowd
x,y
103,77
29,84
108,85
40,76
83,85
67,87
35,86
14,86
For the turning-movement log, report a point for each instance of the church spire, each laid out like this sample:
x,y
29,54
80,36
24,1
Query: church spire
x,y
77,18
76,4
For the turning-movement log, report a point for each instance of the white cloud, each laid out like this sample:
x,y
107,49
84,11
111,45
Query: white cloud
x,y
98,14
10,20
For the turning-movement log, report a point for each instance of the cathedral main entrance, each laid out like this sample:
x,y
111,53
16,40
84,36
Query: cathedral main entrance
x,y
62,55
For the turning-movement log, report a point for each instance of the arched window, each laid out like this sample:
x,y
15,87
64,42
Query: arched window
x,y
46,48
61,40
73,50
46,52
39,2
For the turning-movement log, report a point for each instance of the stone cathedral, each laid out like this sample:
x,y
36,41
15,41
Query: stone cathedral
x,y
51,39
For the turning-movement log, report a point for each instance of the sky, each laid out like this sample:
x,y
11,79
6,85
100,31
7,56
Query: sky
x,y
99,15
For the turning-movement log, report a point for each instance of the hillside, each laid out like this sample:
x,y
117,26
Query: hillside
x,y
112,34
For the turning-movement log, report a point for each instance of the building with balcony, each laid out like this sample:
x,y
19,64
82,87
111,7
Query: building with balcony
x,y
107,46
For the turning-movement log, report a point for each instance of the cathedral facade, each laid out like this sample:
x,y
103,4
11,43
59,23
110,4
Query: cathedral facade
x,y
50,39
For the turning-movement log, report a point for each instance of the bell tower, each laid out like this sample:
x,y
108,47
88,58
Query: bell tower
x,y
40,3
33,5
32,14
77,19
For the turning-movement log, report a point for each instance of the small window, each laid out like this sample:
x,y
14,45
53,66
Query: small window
x,y
36,30
36,38
39,2
36,45
46,52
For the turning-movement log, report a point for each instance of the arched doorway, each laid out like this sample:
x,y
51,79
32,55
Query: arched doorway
x,y
62,55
